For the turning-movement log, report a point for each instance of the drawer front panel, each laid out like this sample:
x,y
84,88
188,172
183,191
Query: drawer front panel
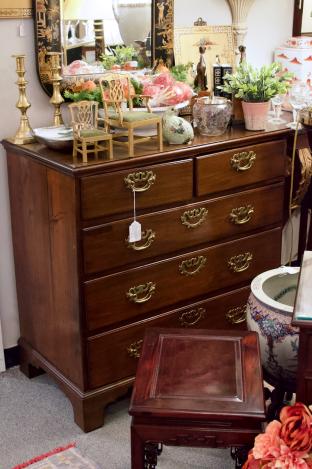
x,y
122,297
109,194
243,166
172,230
122,347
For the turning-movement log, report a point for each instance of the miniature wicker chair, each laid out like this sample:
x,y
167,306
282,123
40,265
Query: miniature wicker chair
x,y
115,89
84,115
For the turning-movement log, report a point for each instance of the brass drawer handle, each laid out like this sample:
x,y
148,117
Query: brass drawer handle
x,y
141,293
148,237
241,215
134,349
243,161
236,315
196,264
194,218
140,181
240,263
192,317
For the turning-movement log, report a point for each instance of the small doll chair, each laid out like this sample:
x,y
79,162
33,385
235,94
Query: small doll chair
x,y
88,138
116,93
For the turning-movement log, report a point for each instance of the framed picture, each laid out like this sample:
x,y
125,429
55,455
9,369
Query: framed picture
x,y
15,9
218,41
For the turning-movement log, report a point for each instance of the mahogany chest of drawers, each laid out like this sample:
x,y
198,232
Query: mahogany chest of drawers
x,y
211,216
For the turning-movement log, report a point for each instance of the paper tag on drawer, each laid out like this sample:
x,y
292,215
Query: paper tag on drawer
x,y
135,232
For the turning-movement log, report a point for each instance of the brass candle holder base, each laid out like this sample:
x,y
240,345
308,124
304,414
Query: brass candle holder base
x,y
56,98
24,133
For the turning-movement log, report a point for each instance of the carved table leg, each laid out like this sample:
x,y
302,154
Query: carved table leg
x,y
277,402
151,451
240,455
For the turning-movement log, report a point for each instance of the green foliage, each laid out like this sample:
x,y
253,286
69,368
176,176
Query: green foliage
x,y
256,85
108,61
179,72
138,89
94,95
124,53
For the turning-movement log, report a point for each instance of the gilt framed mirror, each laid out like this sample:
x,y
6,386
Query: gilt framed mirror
x,y
302,24
84,29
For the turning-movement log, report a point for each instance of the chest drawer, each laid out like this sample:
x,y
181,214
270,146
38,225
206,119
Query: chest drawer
x,y
122,347
122,297
107,247
109,194
234,168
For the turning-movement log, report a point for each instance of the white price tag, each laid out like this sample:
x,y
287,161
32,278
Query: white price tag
x,y
21,30
135,232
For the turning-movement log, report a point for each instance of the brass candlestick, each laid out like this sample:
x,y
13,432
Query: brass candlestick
x,y
24,133
56,98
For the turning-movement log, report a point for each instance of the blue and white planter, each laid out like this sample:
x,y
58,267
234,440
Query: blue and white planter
x,y
269,312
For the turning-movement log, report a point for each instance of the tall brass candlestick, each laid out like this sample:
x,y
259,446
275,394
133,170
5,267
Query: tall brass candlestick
x,y
56,98
24,133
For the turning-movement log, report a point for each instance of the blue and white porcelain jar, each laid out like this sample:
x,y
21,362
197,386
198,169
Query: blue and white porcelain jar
x,y
269,312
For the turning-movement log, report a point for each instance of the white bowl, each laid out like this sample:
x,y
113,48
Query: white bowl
x,y
56,137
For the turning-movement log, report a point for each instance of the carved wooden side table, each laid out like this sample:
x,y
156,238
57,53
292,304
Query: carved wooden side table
x,y
198,388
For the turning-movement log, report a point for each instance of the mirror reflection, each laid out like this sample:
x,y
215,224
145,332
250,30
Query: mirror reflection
x,y
306,25
102,35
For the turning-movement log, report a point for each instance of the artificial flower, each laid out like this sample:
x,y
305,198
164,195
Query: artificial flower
x,y
286,444
296,429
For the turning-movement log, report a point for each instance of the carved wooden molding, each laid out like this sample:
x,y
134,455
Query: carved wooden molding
x,y
15,9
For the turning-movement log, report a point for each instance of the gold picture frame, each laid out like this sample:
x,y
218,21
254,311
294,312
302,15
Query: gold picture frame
x,y
15,9
218,40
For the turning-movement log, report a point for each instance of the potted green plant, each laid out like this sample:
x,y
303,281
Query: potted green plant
x,y
255,87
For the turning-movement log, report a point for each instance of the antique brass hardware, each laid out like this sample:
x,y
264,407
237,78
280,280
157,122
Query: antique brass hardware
x,y
196,263
192,317
134,349
236,315
141,293
140,181
243,161
194,218
240,263
148,236
241,215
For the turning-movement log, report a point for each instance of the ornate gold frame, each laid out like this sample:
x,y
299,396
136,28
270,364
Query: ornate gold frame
x,y
48,34
15,9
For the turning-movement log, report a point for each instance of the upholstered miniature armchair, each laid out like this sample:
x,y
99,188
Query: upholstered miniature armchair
x,y
116,95
88,137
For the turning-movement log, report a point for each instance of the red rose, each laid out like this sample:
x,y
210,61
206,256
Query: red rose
x,y
296,429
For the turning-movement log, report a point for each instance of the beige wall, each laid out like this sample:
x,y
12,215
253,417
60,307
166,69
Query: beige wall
x,y
270,23
39,114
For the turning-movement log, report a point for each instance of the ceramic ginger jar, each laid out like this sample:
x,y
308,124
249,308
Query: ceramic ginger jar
x,y
176,130
269,313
